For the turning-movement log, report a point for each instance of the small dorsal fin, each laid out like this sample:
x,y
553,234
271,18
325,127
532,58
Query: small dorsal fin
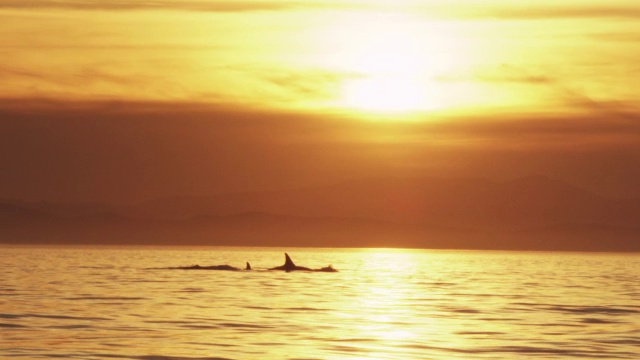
x,y
288,263
248,266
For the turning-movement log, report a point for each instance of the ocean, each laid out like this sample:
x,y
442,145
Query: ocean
x,y
127,303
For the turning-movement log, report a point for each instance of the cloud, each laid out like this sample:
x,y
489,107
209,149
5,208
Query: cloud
x,y
470,9
566,11
621,37
505,73
80,81
188,5
526,130
574,97
281,84
125,151
562,89
465,9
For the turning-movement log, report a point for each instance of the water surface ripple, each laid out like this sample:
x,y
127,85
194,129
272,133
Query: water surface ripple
x,y
124,303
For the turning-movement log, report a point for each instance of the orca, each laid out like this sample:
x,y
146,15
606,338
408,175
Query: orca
x,y
214,267
290,266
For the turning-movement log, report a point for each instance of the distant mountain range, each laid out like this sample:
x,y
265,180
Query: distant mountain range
x,y
535,213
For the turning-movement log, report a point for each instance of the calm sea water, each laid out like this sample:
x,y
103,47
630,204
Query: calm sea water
x,y
122,303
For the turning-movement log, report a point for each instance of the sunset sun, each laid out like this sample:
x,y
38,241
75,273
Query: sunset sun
x,y
388,94
392,61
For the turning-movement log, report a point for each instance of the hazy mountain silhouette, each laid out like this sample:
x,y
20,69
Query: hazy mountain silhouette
x,y
460,203
15,212
529,213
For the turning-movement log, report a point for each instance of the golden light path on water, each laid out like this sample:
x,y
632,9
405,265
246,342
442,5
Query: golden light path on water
x,y
94,303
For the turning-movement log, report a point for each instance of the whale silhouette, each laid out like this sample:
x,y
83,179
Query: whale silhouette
x,y
214,267
290,266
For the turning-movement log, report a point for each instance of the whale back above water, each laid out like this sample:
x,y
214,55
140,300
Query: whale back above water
x,y
213,267
289,265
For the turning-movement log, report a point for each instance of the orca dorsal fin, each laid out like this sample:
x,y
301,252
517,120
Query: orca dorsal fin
x,y
288,263
248,266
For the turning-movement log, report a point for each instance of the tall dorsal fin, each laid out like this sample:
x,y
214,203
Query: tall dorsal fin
x,y
248,266
288,263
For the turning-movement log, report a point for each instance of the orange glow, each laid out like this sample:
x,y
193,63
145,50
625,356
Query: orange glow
x,y
219,96
392,61
386,94
368,57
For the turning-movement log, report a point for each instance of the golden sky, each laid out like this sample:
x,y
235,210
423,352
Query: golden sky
x,y
433,79
384,56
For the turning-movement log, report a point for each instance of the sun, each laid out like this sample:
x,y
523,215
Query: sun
x,y
391,62
387,94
